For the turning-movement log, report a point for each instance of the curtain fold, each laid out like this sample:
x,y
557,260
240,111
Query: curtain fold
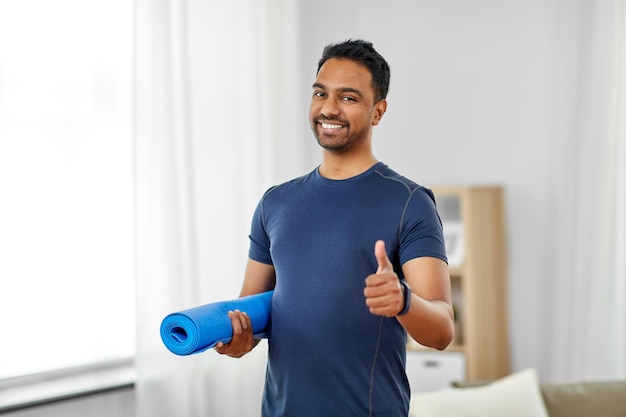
x,y
613,227
586,334
204,141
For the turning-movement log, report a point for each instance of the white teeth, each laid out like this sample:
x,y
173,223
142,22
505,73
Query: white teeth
x,y
328,126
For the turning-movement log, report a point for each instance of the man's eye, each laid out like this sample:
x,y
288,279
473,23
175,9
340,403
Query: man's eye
x,y
318,94
348,98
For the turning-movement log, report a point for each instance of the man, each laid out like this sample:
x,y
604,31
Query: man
x,y
354,253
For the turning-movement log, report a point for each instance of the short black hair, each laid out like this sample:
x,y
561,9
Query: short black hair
x,y
364,53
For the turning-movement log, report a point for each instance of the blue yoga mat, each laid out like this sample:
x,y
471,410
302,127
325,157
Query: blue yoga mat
x,y
200,328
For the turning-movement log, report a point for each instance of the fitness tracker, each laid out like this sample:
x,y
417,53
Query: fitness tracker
x,y
406,289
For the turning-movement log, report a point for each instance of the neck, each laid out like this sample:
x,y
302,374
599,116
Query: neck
x,y
341,167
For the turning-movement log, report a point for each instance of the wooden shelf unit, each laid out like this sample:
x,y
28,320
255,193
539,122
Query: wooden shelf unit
x,y
478,277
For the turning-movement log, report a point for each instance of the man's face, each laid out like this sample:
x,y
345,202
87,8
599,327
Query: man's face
x,y
342,110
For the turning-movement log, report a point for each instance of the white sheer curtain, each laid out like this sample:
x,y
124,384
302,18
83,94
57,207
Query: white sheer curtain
x,y
587,329
612,244
210,77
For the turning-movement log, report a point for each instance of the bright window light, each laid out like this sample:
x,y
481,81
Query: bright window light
x,y
66,230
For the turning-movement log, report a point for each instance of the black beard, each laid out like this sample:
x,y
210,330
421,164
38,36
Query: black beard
x,y
320,119
338,148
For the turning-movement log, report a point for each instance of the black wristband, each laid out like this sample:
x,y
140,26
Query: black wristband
x,y
406,289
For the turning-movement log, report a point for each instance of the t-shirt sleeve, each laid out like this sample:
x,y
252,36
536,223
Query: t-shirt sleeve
x,y
259,240
422,230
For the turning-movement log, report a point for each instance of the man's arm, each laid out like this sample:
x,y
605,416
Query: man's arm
x,y
259,277
430,319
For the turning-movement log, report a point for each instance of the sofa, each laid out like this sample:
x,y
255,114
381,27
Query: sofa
x,y
521,394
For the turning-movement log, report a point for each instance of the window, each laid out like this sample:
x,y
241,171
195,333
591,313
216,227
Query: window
x,y
66,231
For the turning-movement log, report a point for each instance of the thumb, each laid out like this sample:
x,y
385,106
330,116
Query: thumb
x,y
384,264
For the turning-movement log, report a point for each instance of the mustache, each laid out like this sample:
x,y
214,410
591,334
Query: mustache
x,y
323,118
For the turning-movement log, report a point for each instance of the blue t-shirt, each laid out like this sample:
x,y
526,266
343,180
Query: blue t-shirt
x,y
328,355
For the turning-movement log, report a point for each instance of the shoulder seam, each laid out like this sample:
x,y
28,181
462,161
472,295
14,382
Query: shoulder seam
x,y
411,191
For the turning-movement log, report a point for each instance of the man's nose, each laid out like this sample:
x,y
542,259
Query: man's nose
x,y
330,108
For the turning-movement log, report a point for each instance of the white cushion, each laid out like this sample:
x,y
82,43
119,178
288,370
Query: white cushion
x,y
515,395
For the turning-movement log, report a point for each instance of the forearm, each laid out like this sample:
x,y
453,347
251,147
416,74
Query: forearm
x,y
429,322
258,278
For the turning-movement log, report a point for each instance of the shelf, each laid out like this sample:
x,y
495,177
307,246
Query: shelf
x,y
474,230
455,272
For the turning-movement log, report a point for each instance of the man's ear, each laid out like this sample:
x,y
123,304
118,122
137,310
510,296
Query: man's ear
x,y
379,109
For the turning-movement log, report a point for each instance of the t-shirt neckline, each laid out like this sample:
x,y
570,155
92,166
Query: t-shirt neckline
x,y
357,177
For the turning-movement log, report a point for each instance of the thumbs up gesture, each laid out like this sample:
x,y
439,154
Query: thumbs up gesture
x,y
383,291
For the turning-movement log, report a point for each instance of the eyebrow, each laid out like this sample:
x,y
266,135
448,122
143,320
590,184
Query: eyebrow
x,y
343,89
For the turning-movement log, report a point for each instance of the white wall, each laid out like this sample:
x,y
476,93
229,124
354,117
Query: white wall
x,y
476,98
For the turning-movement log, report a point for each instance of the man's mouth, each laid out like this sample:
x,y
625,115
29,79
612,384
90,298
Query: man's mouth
x,y
330,126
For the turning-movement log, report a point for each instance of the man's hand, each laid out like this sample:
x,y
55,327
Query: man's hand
x,y
242,341
383,291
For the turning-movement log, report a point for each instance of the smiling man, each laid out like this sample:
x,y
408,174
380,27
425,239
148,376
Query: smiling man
x,y
355,255
341,113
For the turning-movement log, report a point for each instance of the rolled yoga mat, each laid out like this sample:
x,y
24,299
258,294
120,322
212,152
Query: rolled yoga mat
x,y
200,328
